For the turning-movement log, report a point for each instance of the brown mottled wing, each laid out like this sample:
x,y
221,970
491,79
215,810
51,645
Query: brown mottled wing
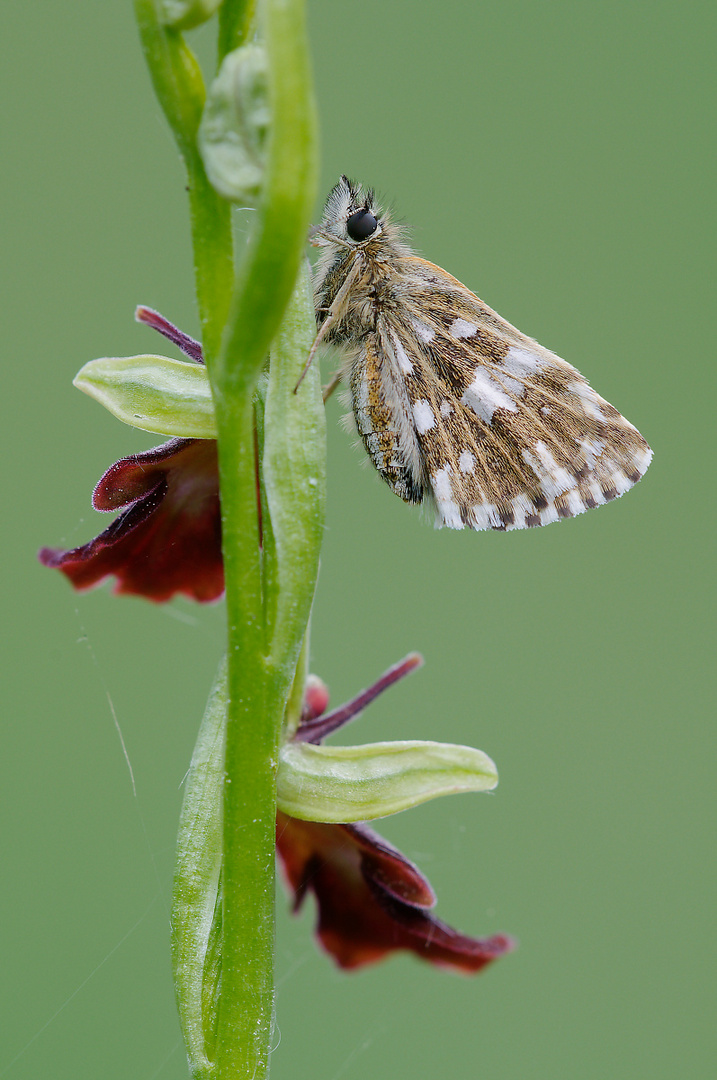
x,y
498,431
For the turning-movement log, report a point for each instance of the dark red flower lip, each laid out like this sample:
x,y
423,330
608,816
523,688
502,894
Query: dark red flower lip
x,y
167,540
371,899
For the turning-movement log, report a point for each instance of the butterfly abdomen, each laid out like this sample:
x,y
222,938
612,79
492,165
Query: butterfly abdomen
x,y
384,421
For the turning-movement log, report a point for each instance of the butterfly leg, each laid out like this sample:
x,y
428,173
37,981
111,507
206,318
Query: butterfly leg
x,y
325,326
335,313
331,386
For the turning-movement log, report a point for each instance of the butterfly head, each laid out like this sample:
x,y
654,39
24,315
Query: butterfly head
x,y
351,219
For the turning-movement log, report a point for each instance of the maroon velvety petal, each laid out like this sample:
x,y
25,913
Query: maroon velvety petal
x,y
168,539
371,899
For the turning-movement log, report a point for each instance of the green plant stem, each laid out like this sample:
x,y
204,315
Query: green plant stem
x,y
249,309
257,698
213,254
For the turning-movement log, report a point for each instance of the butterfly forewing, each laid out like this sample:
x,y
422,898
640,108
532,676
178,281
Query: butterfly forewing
x,y
455,405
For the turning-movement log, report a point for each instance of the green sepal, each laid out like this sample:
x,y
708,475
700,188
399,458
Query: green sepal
x,y
357,783
186,14
234,130
153,393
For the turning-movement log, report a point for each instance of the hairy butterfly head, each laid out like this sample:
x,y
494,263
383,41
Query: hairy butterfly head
x,y
351,217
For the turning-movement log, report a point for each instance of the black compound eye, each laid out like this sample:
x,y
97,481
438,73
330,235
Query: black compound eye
x,y
361,224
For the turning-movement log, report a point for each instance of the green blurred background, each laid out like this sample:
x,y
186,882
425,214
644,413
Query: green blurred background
x,y
555,157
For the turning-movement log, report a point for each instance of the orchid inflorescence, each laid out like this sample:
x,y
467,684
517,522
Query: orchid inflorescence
x,y
167,541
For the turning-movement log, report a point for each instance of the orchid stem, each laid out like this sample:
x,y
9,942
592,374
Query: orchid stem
x,y
268,590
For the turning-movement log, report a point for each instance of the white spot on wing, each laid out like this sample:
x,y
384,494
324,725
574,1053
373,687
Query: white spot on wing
x,y
441,481
521,363
513,386
460,328
622,483
549,514
424,332
484,396
597,494
615,476
486,516
575,503
404,363
588,397
446,408
466,462
521,507
423,416
554,479
443,494
642,459
592,450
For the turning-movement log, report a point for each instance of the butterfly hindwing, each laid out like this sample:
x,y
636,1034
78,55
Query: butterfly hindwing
x,y
509,435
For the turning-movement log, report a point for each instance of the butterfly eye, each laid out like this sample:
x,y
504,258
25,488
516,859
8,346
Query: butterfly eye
x,y
361,224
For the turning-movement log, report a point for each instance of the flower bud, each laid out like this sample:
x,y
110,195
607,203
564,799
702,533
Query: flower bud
x,y
153,393
357,783
316,698
186,14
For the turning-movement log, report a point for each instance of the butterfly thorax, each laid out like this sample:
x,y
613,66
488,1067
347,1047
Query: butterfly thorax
x,y
373,295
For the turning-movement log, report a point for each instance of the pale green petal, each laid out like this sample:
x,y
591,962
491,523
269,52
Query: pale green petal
x,y
153,393
357,783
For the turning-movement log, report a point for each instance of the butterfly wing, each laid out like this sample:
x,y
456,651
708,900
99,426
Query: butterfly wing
x,y
456,405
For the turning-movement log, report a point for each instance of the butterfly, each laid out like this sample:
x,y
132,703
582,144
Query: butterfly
x,y
456,407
